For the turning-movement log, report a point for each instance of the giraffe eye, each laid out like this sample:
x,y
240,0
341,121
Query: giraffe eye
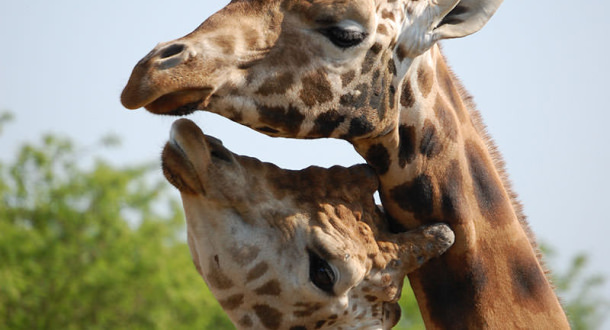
x,y
321,274
343,37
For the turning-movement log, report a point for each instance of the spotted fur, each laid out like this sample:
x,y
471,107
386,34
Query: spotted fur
x,y
392,95
253,227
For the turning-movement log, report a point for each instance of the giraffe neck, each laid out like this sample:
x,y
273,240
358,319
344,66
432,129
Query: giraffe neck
x,y
438,165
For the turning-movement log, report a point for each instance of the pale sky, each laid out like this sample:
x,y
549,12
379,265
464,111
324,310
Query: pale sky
x,y
538,72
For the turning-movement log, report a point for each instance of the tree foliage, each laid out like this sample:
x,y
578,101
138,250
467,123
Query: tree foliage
x,y
94,248
585,307
100,246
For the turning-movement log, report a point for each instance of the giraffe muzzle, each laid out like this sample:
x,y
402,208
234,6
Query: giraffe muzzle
x,y
162,82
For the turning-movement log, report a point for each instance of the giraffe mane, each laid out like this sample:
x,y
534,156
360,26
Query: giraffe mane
x,y
498,161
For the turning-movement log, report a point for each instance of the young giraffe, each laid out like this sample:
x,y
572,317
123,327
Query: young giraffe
x,y
370,72
293,250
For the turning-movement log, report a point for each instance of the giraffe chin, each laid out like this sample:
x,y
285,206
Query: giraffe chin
x,y
180,103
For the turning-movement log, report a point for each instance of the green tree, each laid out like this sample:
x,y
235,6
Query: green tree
x,y
578,289
94,247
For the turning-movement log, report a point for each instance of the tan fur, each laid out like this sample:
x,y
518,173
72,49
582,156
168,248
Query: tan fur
x,y
392,96
253,227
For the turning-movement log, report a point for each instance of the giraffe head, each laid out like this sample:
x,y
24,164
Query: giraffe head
x,y
301,68
292,249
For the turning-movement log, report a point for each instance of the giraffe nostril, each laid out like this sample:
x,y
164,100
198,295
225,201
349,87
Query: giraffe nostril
x,y
172,50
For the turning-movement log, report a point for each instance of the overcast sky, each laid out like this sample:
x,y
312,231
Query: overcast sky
x,y
538,72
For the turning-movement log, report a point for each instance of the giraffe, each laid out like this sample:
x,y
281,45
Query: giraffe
x,y
284,249
371,72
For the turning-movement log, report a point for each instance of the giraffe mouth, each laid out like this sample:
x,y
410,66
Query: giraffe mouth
x,y
181,103
186,156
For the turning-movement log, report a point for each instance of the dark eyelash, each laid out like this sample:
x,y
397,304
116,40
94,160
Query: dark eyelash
x,y
343,38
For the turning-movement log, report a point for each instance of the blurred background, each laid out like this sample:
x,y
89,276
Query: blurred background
x,y
91,236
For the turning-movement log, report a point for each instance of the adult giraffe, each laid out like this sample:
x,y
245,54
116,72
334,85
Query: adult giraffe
x,y
371,72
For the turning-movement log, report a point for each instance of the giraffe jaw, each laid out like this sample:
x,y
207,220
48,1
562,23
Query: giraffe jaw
x,y
181,103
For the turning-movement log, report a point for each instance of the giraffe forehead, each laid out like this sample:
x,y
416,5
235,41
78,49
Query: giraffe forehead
x,y
332,11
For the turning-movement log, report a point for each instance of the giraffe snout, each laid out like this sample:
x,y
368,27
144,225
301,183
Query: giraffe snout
x,y
168,80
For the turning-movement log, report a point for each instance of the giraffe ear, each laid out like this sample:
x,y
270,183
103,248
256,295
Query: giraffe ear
x,y
467,17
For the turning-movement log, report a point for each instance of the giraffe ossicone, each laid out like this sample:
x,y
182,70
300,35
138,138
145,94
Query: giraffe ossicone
x,y
285,249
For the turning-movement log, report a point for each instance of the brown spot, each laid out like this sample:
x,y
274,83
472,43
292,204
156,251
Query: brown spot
x,y
270,317
392,97
271,288
371,58
430,145
445,80
226,43
370,298
306,309
259,270
451,293
246,321
251,35
376,49
358,127
406,98
287,120
406,145
446,119
387,14
452,194
357,98
244,255
487,187
232,302
391,67
379,158
529,282
347,77
320,324
401,52
316,89
382,29
326,123
377,97
298,327
410,10
276,84
424,80
216,278
416,196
